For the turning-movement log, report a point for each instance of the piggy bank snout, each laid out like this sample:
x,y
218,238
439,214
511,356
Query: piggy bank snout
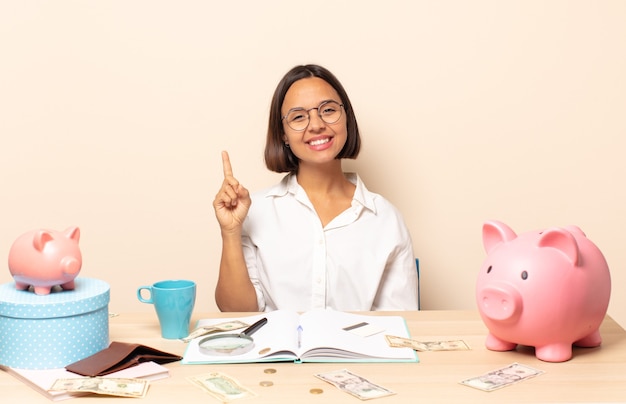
x,y
70,265
500,302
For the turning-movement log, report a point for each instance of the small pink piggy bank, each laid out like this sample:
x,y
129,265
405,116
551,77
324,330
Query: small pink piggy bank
x,y
45,258
547,289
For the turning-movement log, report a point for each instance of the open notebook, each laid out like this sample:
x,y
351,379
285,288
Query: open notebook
x,y
314,336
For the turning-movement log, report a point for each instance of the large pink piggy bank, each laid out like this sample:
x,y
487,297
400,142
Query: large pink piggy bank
x,y
45,258
547,289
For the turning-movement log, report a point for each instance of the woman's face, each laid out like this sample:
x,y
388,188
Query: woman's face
x,y
320,142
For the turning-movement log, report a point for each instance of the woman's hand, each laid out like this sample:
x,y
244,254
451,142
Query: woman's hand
x,y
232,202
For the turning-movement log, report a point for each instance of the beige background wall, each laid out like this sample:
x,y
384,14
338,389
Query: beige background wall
x,y
113,115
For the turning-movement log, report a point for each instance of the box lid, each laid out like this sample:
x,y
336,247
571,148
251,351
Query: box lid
x,y
88,295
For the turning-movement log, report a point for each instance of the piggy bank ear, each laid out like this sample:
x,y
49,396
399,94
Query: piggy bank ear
x,y
563,241
40,239
575,230
73,233
494,233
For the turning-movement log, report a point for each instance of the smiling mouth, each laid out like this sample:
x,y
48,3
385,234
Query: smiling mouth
x,y
319,141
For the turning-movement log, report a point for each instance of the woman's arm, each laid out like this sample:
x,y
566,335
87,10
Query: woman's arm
x,y
234,290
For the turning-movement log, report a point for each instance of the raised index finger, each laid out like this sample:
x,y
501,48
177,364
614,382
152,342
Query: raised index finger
x,y
228,170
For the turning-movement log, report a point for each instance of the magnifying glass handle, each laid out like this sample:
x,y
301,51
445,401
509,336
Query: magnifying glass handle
x,y
254,327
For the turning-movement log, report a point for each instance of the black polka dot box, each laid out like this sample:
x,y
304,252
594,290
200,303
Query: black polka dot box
x,y
54,330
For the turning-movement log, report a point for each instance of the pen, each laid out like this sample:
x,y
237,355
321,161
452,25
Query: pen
x,y
299,336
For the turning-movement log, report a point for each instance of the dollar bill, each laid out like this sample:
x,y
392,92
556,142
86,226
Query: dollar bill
x,y
221,386
104,385
499,378
400,342
204,330
353,384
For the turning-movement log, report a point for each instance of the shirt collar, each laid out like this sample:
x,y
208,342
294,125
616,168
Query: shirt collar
x,y
289,184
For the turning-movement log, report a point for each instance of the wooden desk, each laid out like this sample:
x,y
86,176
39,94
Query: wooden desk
x,y
593,375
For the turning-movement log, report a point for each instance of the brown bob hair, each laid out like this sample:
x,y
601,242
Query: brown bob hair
x,y
278,157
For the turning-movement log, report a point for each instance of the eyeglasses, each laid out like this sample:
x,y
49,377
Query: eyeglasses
x,y
298,118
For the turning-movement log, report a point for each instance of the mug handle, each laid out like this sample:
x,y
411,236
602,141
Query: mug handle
x,y
141,299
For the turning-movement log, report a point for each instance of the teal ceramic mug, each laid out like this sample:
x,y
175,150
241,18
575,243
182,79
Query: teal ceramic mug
x,y
173,301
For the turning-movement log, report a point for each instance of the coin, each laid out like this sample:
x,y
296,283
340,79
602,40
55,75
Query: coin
x,y
316,391
266,383
264,351
269,371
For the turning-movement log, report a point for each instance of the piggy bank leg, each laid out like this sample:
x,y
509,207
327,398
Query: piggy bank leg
x,y
68,285
590,341
42,290
554,352
21,285
496,344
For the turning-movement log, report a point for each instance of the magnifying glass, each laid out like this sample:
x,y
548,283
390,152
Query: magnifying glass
x,y
231,344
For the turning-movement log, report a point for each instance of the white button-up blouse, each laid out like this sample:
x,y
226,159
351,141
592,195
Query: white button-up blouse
x,y
361,261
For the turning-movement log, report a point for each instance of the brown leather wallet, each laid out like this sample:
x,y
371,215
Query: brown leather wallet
x,y
118,356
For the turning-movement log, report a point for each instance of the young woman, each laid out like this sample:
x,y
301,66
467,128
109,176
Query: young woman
x,y
319,238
